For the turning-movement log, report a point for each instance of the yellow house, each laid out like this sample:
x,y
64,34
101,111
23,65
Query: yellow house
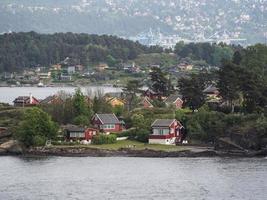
x,y
114,101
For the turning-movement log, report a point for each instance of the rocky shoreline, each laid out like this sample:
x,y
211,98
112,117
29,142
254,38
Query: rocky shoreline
x,y
12,147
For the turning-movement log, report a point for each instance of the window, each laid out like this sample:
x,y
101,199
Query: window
x,y
161,131
109,126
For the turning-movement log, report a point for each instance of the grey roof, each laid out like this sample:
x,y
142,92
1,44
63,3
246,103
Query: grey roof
x,y
108,118
47,99
162,122
172,98
210,89
74,128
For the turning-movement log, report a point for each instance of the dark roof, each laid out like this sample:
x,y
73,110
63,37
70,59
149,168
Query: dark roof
x,y
47,99
74,128
21,99
108,118
172,98
114,94
210,89
162,122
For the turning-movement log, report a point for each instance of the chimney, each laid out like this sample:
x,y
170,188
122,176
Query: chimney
x,y
31,99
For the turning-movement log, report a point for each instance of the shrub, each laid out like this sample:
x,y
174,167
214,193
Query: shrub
x,y
35,127
81,120
104,139
142,135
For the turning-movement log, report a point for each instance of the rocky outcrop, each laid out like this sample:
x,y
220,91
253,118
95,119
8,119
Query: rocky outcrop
x,y
11,147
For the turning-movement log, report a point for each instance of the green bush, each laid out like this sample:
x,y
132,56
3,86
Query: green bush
x,y
82,120
35,128
140,135
39,140
104,139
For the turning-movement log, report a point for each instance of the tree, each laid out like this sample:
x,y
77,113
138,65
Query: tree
x,y
132,88
80,105
191,89
138,121
237,58
229,82
35,128
160,84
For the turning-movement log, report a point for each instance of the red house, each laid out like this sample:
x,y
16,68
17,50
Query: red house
x,y
174,100
55,99
23,101
107,123
165,131
146,103
75,133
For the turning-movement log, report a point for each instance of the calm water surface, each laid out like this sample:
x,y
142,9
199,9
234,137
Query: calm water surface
x,y
133,178
8,94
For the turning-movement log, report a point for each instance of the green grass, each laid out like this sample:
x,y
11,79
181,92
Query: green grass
x,y
130,144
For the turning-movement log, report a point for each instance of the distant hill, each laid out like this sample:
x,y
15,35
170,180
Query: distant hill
x,y
22,50
188,18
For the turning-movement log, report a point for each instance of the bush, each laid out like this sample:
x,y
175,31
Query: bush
x,y
81,120
140,135
39,140
104,139
35,128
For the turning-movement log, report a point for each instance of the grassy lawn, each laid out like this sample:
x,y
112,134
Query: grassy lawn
x,y
133,145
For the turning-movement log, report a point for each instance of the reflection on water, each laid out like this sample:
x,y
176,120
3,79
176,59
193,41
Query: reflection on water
x,y
133,178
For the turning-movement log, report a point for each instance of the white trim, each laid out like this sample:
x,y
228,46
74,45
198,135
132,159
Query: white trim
x,y
99,118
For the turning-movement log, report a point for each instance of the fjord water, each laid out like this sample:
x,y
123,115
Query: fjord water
x,y
8,94
133,178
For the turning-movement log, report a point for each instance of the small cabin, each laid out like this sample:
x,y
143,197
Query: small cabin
x,y
77,133
107,123
165,131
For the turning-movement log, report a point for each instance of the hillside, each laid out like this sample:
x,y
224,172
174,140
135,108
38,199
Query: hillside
x,y
21,50
187,18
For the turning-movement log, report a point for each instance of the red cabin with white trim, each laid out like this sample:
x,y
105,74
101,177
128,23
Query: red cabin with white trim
x,y
165,131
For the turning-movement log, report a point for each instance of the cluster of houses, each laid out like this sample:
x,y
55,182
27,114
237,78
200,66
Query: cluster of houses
x,y
163,131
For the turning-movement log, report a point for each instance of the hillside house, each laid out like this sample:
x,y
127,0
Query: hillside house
x,y
107,123
146,103
211,92
174,100
26,101
114,101
54,99
165,131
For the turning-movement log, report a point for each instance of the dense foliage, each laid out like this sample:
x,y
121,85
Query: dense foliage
x,y
104,139
35,128
20,50
212,54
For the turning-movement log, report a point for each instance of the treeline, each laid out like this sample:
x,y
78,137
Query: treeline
x,y
241,81
21,50
212,54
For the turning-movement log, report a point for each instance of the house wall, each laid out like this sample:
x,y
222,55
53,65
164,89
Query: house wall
x,y
147,104
179,104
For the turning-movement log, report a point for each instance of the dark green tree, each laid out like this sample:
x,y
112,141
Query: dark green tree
x,y
191,88
36,127
131,90
160,84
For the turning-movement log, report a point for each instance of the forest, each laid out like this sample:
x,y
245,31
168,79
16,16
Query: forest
x,y
28,50
25,50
